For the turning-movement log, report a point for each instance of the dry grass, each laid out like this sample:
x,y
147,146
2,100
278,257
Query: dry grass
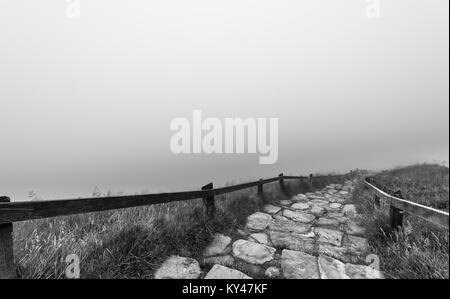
x,y
132,243
420,249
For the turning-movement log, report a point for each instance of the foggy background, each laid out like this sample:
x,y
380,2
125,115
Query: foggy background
x,y
88,101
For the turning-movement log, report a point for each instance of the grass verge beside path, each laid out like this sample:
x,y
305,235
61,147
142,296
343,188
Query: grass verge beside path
x,y
420,249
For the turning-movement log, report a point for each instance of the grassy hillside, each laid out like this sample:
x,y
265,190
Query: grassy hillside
x,y
426,184
420,250
132,243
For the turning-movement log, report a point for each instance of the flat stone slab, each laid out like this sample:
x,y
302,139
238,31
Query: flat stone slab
x,y
292,241
332,191
271,209
318,202
285,202
219,246
258,221
299,265
324,221
338,216
331,268
177,267
352,228
252,252
330,236
339,253
334,206
362,272
260,238
299,216
356,245
280,223
317,211
299,198
300,206
224,260
222,272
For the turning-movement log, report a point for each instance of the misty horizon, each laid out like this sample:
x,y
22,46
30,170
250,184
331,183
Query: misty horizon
x,y
88,102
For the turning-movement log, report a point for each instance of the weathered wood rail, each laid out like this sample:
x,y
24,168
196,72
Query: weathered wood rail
x,y
398,206
20,211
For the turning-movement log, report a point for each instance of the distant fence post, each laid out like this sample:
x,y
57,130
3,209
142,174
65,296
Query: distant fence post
x,y
209,201
260,188
281,181
7,266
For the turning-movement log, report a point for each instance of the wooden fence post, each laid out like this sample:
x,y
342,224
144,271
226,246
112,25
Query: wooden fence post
x,y
260,188
209,201
396,216
7,266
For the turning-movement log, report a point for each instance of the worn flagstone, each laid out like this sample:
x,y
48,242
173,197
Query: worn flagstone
x,y
292,241
219,246
271,209
260,238
300,206
356,244
331,236
331,268
299,216
353,228
222,272
299,265
177,267
252,252
258,221
280,223
224,260
324,221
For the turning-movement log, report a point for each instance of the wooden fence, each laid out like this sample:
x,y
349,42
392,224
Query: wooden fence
x,y
20,211
398,206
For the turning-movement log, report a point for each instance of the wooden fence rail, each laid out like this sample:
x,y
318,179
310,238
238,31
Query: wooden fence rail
x,y
399,205
20,211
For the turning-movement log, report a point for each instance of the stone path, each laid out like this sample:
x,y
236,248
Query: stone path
x,y
313,235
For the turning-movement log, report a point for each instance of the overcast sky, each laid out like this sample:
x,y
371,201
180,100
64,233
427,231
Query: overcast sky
x,y
88,102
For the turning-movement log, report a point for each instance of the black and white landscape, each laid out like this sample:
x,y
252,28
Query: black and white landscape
x,y
224,139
